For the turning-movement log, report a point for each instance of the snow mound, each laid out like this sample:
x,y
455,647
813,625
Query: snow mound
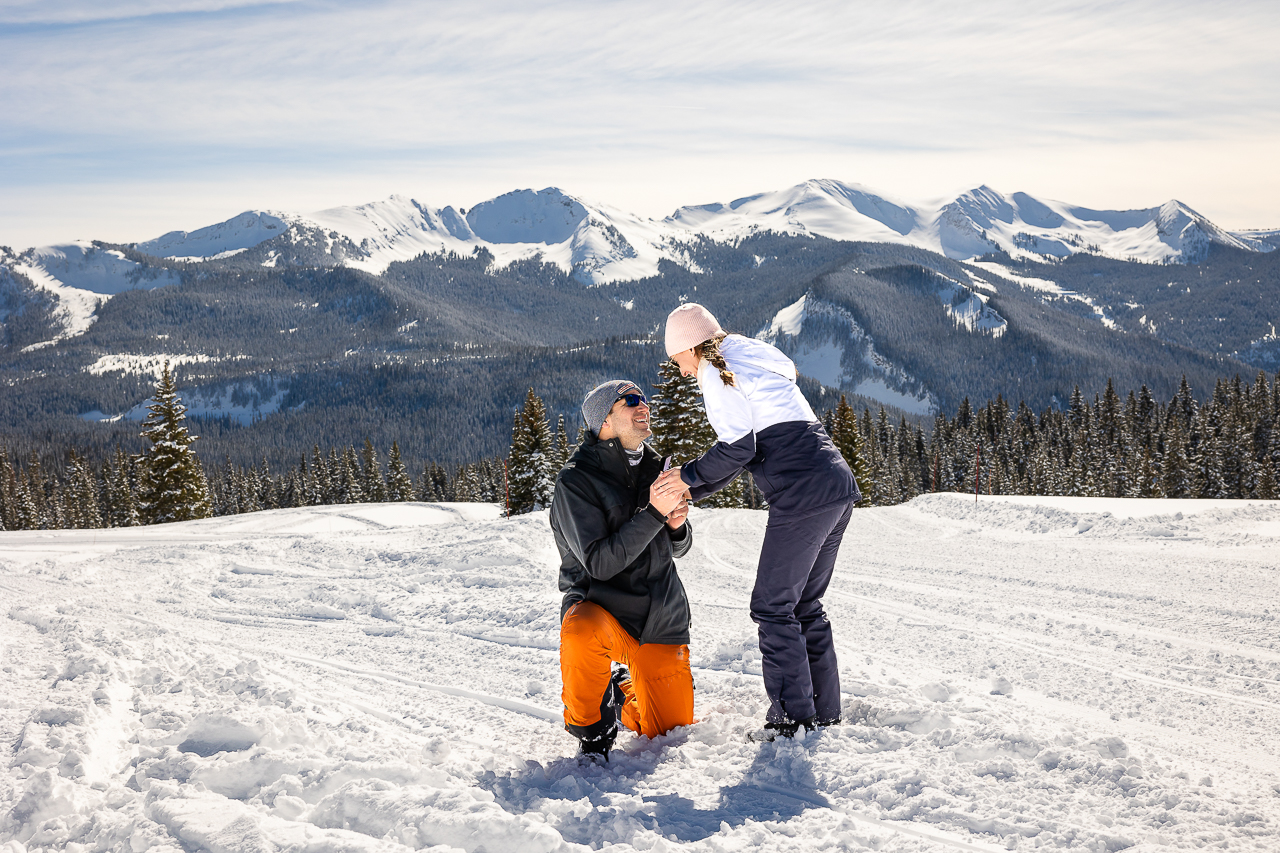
x,y
1112,518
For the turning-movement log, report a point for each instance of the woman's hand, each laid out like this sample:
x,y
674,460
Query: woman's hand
x,y
667,493
678,515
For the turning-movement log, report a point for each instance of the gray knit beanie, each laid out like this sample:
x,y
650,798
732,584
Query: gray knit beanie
x,y
688,326
600,400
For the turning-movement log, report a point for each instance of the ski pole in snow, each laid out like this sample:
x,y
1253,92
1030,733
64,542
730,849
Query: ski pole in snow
x,y
506,487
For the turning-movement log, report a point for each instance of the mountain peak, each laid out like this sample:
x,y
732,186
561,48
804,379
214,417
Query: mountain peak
x,y
547,216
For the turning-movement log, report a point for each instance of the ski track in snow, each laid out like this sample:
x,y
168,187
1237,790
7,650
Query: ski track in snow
x,y
1020,674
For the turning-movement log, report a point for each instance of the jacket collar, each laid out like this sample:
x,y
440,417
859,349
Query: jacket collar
x,y
610,458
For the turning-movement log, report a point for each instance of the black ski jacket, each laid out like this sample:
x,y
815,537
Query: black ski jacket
x,y
615,549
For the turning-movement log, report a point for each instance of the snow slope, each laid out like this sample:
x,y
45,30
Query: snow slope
x,y
827,344
81,277
1019,674
236,234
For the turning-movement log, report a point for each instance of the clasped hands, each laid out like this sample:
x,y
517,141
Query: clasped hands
x,y
670,496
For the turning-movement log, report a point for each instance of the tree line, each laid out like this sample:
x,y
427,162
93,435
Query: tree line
x,y
1135,446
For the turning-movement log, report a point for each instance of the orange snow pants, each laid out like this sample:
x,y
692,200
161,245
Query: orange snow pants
x,y
659,695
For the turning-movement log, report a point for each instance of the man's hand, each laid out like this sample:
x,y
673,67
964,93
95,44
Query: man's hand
x,y
678,515
667,493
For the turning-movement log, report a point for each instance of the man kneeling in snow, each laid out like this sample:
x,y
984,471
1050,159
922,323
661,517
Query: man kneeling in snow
x,y
618,527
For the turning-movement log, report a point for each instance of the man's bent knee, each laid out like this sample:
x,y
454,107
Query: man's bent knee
x,y
586,621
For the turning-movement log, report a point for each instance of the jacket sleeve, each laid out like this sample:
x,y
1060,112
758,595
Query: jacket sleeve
x,y
716,468
729,413
585,529
697,493
681,540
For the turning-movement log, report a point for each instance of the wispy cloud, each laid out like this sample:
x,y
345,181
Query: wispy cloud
x,y
713,95
63,12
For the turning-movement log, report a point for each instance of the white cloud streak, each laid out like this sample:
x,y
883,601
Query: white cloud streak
x,y
43,12
700,96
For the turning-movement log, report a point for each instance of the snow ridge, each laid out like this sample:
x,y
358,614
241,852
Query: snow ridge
x,y
599,243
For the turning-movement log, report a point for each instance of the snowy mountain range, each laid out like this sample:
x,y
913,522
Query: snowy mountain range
x,y
600,243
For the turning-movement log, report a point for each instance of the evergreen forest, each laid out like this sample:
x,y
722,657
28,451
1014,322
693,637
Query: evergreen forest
x,y
1107,445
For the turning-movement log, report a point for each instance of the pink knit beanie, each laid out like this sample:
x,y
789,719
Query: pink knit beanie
x,y
688,326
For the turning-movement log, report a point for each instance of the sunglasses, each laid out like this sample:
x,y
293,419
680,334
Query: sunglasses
x,y
633,400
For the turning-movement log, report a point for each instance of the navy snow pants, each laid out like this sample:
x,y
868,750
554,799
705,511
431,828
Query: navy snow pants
x,y
797,652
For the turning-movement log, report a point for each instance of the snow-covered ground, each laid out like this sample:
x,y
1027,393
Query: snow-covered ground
x,y
1020,674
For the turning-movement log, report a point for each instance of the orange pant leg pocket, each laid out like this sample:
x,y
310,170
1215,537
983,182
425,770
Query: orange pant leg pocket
x,y
663,685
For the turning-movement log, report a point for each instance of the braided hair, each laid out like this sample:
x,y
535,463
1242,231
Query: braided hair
x,y
710,350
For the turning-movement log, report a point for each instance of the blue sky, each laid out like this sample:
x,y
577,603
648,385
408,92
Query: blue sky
x,y
125,119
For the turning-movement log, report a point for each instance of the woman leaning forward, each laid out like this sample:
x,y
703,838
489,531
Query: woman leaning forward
x,y
764,424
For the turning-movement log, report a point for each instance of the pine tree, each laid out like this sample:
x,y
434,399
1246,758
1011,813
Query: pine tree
x,y
1206,458
245,484
8,492
434,484
1184,405
56,507
1078,408
910,447
531,458
1270,463
466,487
372,483
844,421
1268,489
399,486
317,479
35,505
492,489
173,482
679,422
336,486
563,450
1145,483
29,503
86,514
122,501
1176,476
426,486
350,490
269,487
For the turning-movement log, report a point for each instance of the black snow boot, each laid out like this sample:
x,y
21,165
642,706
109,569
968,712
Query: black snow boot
x,y
618,697
788,728
597,751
